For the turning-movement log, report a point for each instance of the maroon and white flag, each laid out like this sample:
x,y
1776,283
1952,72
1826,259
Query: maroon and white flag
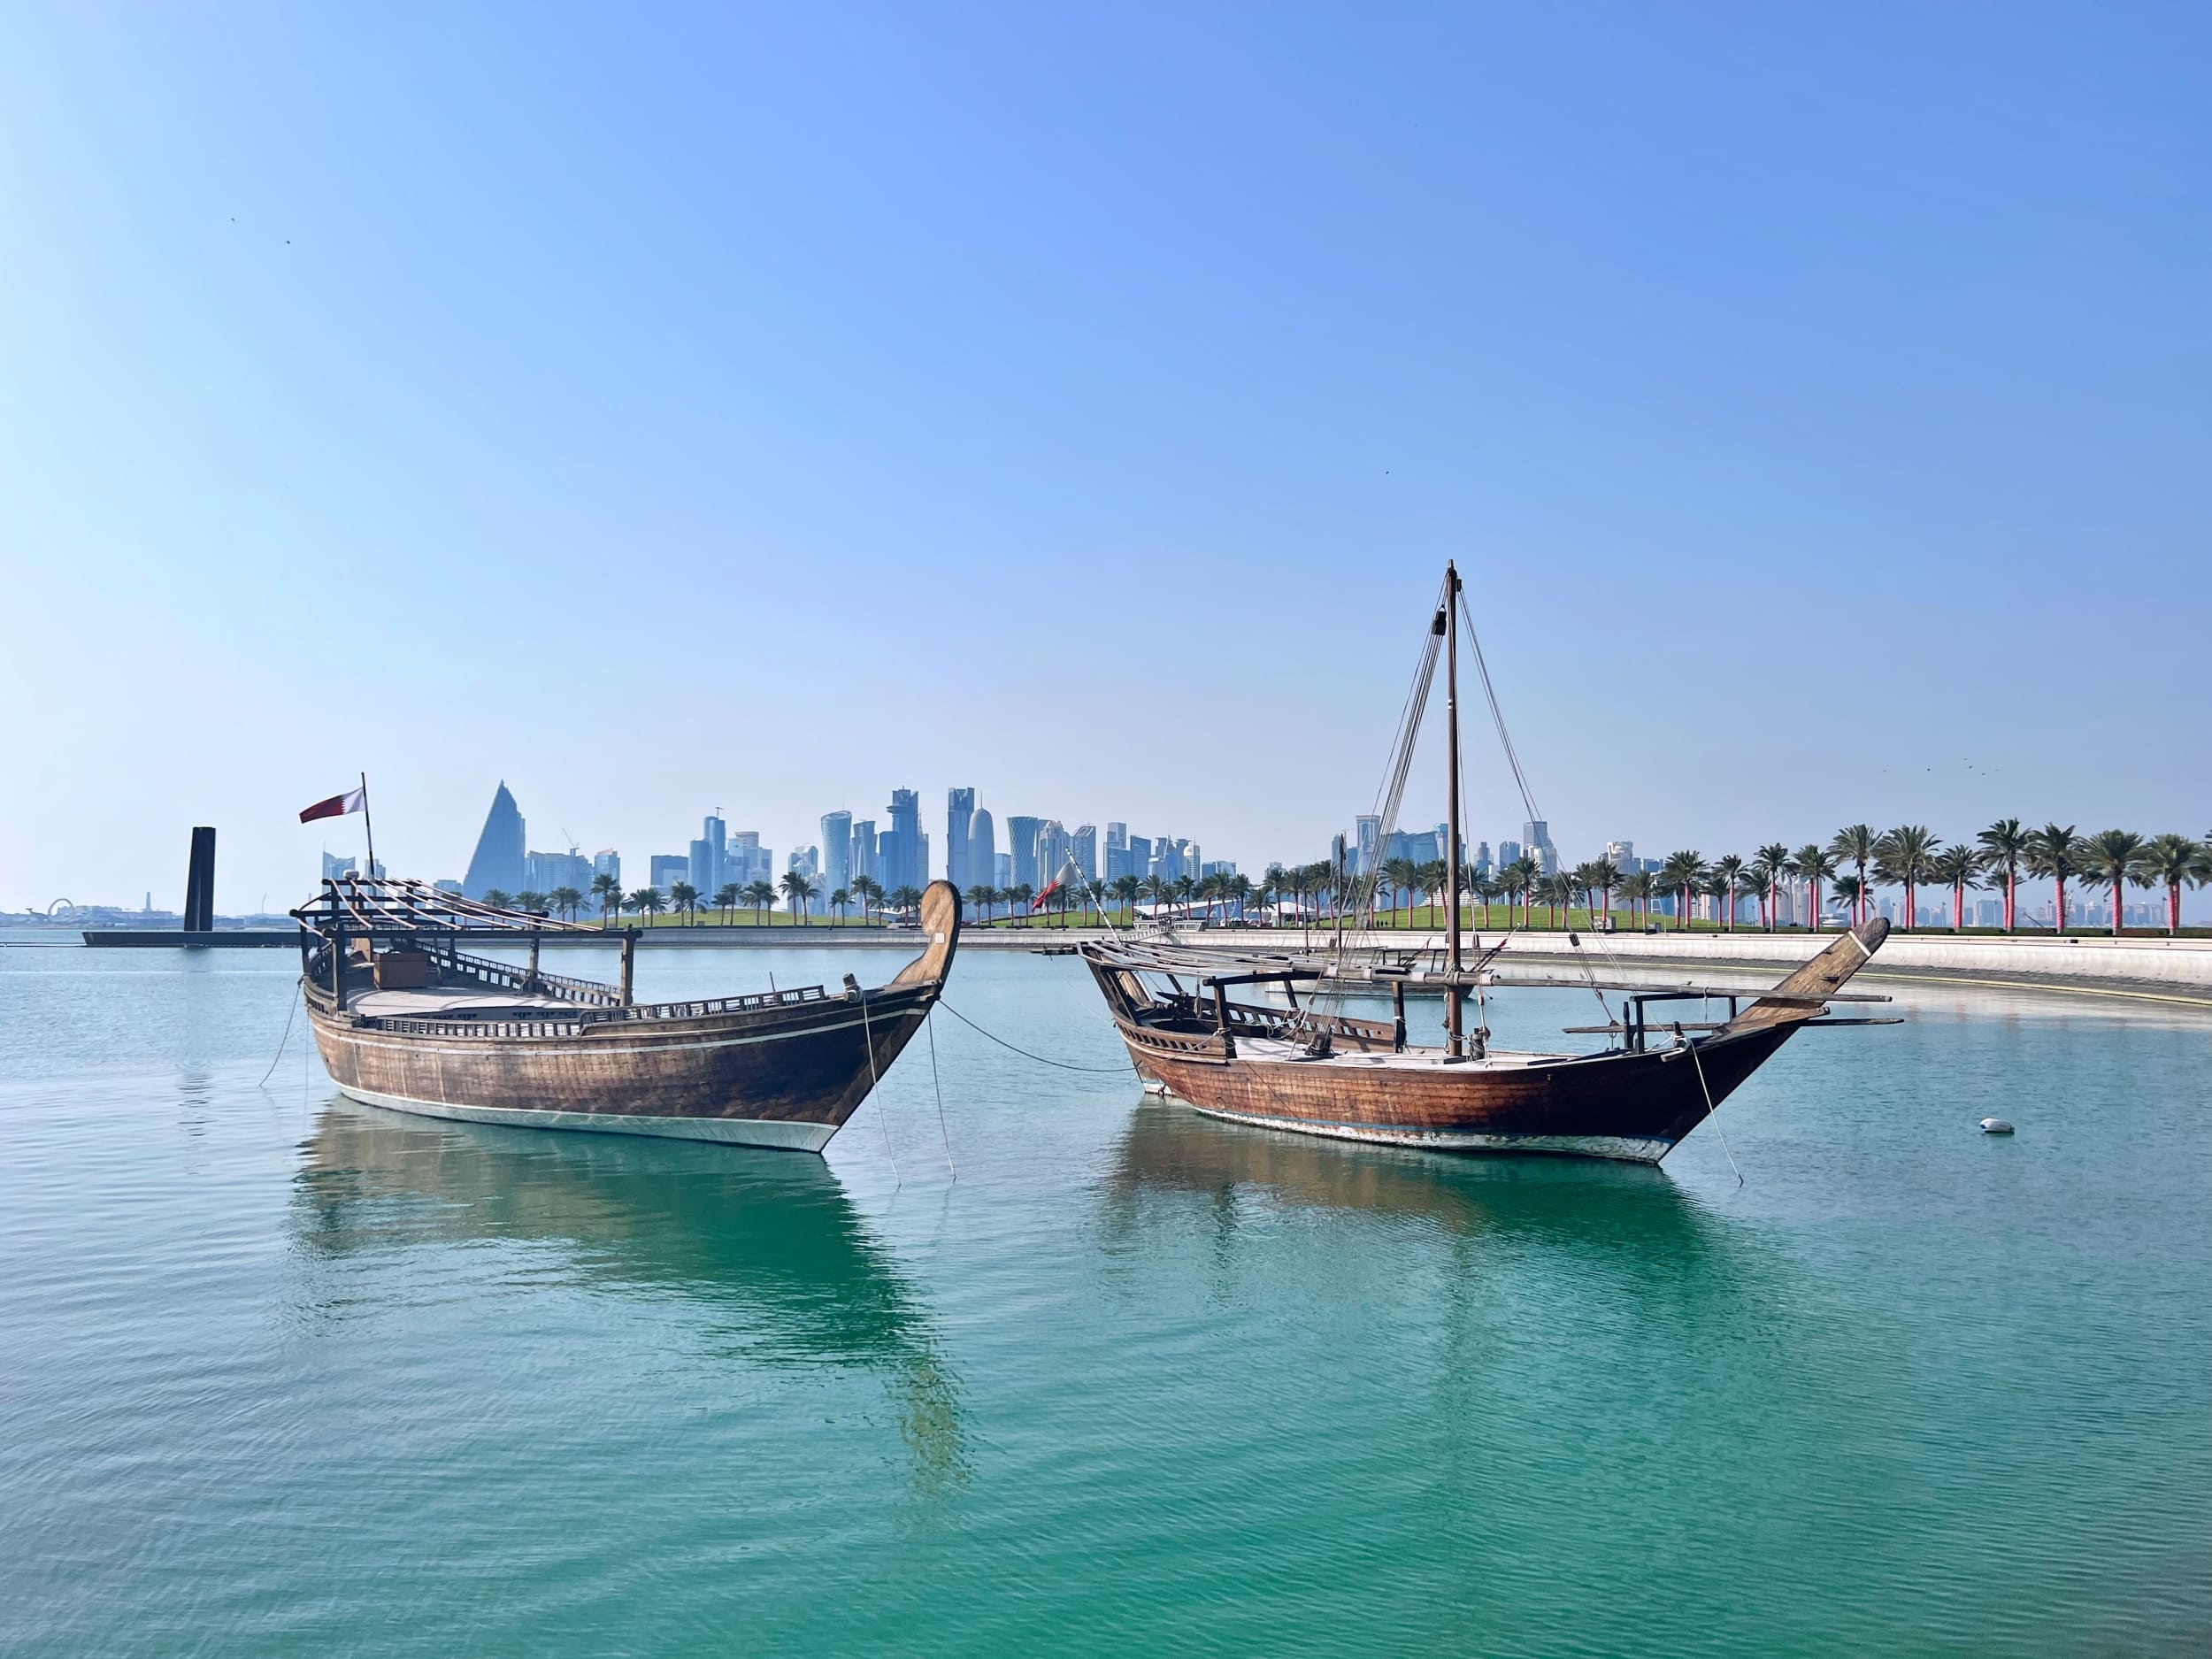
x,y
338,805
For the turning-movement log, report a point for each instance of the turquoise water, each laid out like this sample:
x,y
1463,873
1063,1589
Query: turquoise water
x,y
283,1374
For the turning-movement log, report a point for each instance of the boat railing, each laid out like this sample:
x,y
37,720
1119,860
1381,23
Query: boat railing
x,y
575,1025
514,976
752,1003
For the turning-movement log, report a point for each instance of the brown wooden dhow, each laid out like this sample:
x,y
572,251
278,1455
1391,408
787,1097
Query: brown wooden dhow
x,y
1324,1072
405,1018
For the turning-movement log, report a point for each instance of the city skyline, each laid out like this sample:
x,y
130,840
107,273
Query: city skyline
x,y
720,857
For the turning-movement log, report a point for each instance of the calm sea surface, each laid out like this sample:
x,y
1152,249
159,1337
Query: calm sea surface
x,y
282,1374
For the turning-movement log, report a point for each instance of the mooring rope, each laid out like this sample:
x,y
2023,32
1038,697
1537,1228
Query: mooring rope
x,y
1712,1112
946,1134
291,1009
1024,1053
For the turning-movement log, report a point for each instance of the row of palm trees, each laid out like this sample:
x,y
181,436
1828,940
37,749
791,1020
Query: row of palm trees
x,y
1848,867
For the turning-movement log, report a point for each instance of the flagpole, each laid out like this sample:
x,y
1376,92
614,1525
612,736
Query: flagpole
x,y
367,824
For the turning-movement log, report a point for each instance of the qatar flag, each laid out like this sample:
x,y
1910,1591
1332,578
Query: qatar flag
x,y
1058,881
338,805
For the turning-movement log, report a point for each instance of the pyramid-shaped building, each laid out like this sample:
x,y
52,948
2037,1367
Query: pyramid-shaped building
x,y
499,851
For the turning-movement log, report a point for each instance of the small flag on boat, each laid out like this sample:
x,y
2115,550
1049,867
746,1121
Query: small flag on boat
x,y
338,805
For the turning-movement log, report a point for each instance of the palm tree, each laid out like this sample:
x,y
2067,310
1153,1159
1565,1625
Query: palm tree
x,y
646,902
565,901
498,899
2111,858
760,896
1956,866
1559,898
1401,874
1480,884
904,899
2055,853
1018,898
1240,894
1728,869
1159,889
1608,876
841,902
1854,845
1769,865
1515,880
1678,873
684,898
1127,890
866,891
2003,845
608,891
534,903
979,899
797,888
1902,858
1849,892
1812,865
725,900
1636,888
2169,862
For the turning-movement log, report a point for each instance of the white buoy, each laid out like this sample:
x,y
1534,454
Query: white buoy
x,y
1995,1127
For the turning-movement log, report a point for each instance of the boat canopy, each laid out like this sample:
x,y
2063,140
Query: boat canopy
x,y
380,904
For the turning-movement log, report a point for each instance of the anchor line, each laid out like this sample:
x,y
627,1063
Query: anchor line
x,y
945,1135
290,1008
1040,1059
1712,1112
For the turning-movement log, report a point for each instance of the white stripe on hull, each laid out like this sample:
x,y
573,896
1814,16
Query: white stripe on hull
x,y
1620,1148
735,1131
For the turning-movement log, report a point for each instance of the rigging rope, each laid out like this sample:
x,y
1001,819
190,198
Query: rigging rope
x,y
1497,714
931,1028
1024,1053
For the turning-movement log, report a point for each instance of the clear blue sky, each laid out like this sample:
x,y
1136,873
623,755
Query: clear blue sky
x,y
666,410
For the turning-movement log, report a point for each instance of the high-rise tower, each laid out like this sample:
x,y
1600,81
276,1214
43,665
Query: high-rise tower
x,y
500,850
959,812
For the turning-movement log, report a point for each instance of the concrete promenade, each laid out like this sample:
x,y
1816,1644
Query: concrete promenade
x,y
2164,970
2175,970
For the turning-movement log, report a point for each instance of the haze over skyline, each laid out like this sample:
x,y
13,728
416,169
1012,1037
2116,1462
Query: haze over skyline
x,y
769,412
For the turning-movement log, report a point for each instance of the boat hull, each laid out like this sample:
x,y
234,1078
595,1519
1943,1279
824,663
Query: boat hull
x,y
1631,1108
731,1131
784,1078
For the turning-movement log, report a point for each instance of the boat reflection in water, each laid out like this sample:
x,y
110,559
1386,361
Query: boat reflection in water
x,y
1630,1215
769,1248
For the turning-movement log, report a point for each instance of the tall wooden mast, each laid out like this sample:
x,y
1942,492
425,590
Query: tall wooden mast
x,y
1451,797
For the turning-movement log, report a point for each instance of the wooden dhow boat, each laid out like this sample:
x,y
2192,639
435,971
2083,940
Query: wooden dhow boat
x,y
1314,1069
405,1018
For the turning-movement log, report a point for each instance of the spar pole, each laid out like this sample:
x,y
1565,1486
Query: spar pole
x,y
368,825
